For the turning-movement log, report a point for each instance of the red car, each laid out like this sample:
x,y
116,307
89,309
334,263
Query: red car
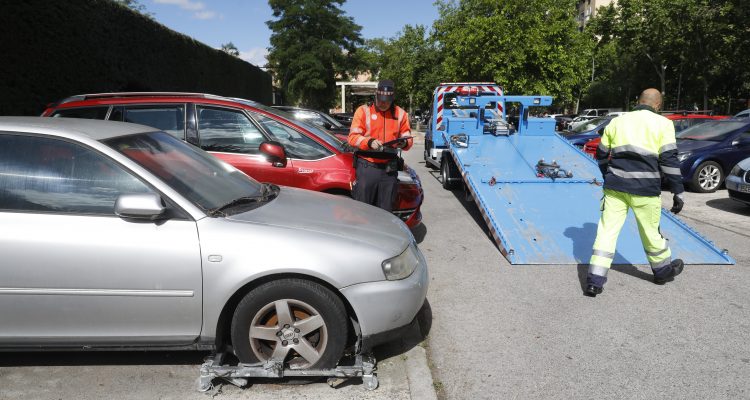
x,y
266,144
681,122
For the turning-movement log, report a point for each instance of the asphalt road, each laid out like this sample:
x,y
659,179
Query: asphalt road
x,y
506,332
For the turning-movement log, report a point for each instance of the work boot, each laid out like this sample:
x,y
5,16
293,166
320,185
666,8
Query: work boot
x,y
592,290
676,269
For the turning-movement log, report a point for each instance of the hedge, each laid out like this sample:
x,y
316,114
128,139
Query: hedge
x,y
50,50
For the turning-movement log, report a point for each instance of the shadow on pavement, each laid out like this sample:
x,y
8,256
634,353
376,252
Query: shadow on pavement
x,y
419,232
82,358
626,269
729,205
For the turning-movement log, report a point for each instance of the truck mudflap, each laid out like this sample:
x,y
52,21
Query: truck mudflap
x,y
538,219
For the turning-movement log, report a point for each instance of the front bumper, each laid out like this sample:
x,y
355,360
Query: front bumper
x,y
387,305
738,189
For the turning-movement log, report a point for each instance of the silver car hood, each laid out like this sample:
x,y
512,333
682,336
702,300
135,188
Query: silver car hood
x,y
327,214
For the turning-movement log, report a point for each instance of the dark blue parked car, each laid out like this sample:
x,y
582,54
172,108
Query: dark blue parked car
x,y
587,131
707,152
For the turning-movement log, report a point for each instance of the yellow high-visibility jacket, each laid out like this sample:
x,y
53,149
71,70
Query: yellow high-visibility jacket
x,y
636,148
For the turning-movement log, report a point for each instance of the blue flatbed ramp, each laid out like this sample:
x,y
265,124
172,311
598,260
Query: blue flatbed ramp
x,y
538,220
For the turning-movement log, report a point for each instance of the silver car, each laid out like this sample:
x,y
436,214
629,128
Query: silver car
x,y
113,235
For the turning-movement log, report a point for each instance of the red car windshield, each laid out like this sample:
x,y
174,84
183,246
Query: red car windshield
x,y
206,181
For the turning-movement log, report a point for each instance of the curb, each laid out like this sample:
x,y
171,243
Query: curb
x,y
419,376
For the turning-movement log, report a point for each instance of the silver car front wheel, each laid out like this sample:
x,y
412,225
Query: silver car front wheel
x,y
293,320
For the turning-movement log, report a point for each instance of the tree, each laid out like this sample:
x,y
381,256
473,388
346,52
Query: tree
x,y
531,46
411,59
313,42
136,6
230,49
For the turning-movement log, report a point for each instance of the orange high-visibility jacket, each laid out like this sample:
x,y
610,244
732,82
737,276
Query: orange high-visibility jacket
x,y
369,123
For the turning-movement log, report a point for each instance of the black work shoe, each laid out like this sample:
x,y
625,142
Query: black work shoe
x,y
592,290
677,266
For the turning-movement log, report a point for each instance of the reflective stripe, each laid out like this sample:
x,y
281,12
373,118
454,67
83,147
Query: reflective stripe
x,y
359,141
671,170
661,264
603,147
656,253
367,119
356,130
667,147
604,254
598,270
633,149
634,175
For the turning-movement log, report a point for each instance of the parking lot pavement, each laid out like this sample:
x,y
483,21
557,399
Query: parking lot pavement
x,y
527,332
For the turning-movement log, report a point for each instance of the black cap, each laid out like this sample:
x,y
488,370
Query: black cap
x,y
386,90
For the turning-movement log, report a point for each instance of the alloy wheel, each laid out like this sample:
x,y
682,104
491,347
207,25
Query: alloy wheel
x,y
709,177
289,330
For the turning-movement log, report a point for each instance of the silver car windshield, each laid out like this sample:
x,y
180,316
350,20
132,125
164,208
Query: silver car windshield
x,y
314,129
206,181
589,125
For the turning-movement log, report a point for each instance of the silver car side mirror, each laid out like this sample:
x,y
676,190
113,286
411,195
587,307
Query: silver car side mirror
x,y
139,206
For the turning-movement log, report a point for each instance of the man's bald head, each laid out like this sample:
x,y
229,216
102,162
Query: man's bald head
x,y
651,97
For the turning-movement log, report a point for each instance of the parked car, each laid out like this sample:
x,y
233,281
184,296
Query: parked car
x,y
233,130
738,182
587,131
120,236
318,118
681,122
344,118
743,114
708,150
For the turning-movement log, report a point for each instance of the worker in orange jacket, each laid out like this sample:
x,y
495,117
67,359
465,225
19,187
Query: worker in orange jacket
x,y
377,164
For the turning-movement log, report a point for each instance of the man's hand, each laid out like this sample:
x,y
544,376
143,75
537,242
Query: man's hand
x,y
376,145
677,203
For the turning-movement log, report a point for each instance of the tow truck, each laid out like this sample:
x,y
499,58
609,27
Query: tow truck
x,y
539,195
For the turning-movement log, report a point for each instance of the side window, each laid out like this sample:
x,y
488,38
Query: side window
x,y
83,112
296,144
52,175
226,130
167,118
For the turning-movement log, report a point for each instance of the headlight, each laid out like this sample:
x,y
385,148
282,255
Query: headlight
x,y
737,171
402,265
683,156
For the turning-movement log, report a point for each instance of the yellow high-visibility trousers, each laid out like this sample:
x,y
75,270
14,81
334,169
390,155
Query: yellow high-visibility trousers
x,y
647,210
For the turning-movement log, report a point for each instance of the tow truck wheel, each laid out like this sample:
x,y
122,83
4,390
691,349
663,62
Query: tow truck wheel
x,y
448,173
295,320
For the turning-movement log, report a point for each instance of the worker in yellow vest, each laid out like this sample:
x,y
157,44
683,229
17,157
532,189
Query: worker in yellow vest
x,y
636,148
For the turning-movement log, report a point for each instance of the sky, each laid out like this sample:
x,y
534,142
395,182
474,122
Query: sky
x,y
243,22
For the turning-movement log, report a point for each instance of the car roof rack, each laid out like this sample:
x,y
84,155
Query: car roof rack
x,y
90,96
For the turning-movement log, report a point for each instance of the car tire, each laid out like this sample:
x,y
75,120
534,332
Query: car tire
x,y
299,320
707,177
448,173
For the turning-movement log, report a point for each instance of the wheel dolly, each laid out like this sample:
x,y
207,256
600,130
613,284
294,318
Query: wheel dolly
x,y
363,366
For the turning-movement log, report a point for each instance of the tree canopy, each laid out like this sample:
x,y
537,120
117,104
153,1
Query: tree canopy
x,y
530,46
690,49
313,42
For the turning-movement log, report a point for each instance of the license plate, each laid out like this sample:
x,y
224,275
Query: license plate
x,y
743,188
